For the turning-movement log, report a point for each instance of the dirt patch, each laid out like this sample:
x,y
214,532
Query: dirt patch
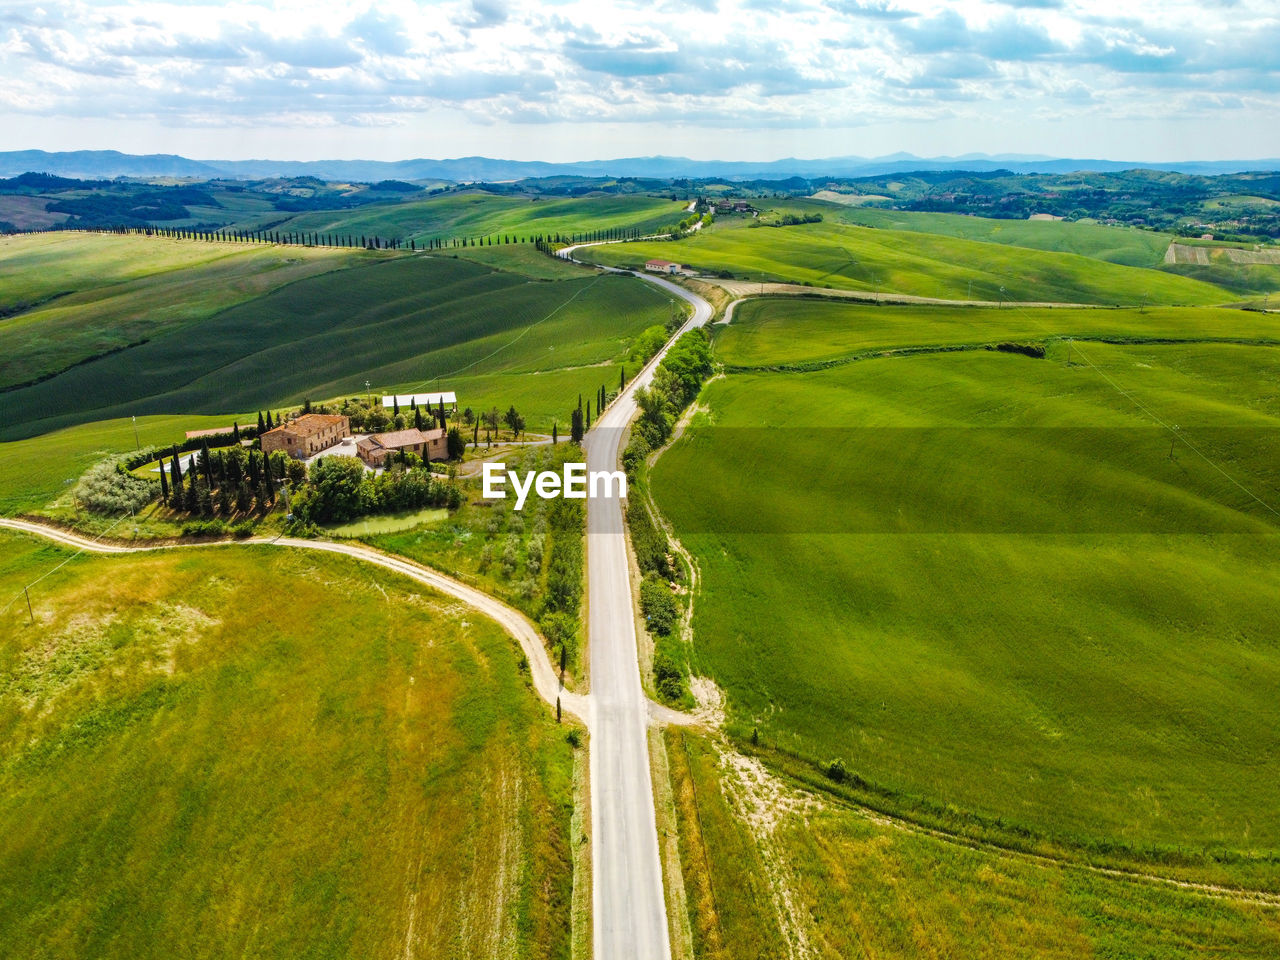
x,y
763,802
710,710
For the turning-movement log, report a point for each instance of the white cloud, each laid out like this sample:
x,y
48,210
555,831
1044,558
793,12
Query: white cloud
x,y
731,65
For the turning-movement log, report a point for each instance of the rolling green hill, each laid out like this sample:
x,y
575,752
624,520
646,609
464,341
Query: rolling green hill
x,y
846,256
404,322
67,298
482,214
190,767
989,585
1126,245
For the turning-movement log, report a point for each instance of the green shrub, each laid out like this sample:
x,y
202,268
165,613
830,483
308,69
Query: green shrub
x,y
107,487
650,543
1026,349
660,608
204,528
668,677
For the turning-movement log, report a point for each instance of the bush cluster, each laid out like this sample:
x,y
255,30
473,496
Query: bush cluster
x,y
649,542
679,377
1026,349
660,609
108,487
340,489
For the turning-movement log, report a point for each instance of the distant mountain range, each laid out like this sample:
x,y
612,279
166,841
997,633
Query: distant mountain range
x,y
107,164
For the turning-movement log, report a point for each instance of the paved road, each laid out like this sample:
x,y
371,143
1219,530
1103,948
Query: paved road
x,y
630,915
628,906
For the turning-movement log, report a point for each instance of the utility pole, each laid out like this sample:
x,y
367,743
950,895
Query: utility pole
x,y
27,592
369,393
137,444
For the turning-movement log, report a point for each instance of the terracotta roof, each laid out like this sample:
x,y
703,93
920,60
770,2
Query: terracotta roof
x,y
308,424
405,438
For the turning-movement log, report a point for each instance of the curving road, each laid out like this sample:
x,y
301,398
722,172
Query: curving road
x,y
545,679
628,906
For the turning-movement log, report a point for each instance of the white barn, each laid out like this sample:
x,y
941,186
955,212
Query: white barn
x,y
406,400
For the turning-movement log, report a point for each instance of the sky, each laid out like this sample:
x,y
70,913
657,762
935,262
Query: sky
x,y
594,79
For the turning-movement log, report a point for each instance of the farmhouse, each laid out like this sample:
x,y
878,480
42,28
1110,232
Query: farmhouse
x,y
428,444
307,435
661,266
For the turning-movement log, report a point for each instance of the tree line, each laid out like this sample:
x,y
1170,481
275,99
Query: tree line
x,y
545,242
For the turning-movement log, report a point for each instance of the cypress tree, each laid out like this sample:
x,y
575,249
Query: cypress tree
x,y
177,467
206,462
588,414
575,426
622,379
235,433
417,418
395,406
475,436
442,416
164,485
554,432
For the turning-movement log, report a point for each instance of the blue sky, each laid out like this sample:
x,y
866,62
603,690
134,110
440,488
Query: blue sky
x,y
588,79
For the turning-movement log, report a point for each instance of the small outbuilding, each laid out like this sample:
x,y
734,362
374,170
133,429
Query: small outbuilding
x,y
428,444
661,266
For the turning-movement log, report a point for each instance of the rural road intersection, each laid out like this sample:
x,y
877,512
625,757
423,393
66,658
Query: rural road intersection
x,y
629,909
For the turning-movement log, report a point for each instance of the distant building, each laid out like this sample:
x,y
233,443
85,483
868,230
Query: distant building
x,y
433,400
661,266
1206,236
212,432
428,444
307,435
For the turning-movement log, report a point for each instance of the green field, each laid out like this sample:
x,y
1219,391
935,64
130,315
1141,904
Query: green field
x,y
39,471
858,888
845,256
406,323
1125,245
775,332
459,215
66,298
257,752
1000,599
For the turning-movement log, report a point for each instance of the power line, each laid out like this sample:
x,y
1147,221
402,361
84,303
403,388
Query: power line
x,y
1172,428
517,337
61,565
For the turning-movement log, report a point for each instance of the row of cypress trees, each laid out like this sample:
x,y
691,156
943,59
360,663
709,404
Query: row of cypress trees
x,y
541,241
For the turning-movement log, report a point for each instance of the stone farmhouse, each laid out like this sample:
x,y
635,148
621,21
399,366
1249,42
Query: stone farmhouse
x,y
661,266
428,444
307,435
